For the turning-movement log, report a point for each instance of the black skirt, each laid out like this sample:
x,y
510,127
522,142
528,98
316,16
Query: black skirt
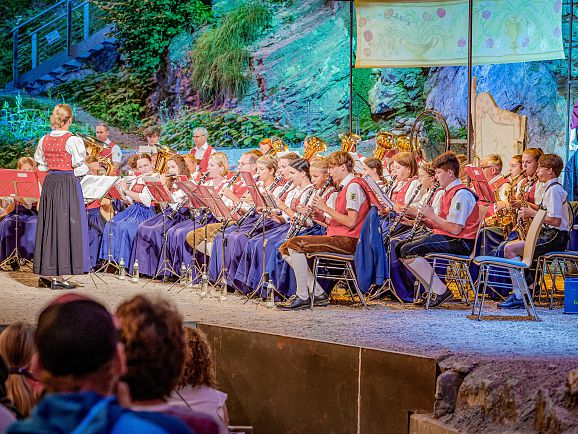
x,y
62,230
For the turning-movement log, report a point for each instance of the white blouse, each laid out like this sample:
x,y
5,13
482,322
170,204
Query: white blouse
x,y
74,146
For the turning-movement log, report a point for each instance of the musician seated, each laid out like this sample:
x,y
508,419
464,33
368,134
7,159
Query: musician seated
x,y
554,233
454,228
352,205
113,152
202,151
191,163
492,169
152,135
373,167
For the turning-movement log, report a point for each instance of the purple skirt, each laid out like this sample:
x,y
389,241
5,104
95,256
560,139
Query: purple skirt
x,y
62,230
27,220
120,232
148,245
96,224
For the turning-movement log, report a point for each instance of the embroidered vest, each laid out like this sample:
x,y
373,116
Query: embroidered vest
x,y
399,197
55,152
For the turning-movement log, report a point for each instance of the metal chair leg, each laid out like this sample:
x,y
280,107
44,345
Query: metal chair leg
x,y
312,290
431,278
359,293
484,292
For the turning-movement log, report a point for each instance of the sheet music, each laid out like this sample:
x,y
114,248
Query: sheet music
x,y
378,191
358,166
95,187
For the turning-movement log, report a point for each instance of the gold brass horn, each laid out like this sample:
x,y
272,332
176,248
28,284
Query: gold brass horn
x,y
278,145
385,141
163,155
403,143
107,164
93,146
349,141
312,146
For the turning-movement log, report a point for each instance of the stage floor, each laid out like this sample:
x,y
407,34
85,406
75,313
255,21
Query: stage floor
x,y
388,326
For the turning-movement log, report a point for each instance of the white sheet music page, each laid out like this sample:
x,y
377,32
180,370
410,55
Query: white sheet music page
x,y
95,187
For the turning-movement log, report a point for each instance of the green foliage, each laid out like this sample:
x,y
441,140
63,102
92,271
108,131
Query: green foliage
x,y
145,29
225,130
22,123
115,98
220,59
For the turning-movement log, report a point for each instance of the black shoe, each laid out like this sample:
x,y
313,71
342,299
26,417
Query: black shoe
x,y
61,285
295,303
44,283
437,299
512,302
14,264
321,300
420,302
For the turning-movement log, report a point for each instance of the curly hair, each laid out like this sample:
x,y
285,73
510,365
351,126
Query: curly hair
x,y
199,369
153,337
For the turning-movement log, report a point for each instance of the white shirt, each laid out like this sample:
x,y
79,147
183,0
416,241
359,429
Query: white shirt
x,y
355,194
74,146
555,203
462,204
148,149
200,152
116,156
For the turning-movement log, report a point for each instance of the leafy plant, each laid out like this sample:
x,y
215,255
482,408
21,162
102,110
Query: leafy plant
x,y
116,98
22,122
145,29
220,58
226,129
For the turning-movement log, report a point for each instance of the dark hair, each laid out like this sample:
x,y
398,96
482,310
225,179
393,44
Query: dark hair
x,y
181,165
447,161
302,165
552,161
374,163
152,333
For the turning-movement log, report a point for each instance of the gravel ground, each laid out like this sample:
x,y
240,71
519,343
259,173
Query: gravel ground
x,y
437,333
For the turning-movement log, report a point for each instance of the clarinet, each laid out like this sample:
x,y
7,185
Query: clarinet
x,y
389,187
233,179
300,221
253,207
262,216
398,218
186,199
419,216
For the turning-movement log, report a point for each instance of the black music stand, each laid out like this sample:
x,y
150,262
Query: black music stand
x,y
267,202
220,211
161,196
18,183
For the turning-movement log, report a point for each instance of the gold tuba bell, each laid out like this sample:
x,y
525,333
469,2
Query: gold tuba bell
x,y
107,164
384,142
163,155
349,141
403,143
278,145
312,146
93,146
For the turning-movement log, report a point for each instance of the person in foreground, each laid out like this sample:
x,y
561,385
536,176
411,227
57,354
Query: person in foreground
x,y
79,360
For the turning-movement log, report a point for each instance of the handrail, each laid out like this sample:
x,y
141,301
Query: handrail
x,y
58,18
38,15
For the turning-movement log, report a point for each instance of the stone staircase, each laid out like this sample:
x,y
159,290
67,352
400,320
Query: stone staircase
x,y
63,42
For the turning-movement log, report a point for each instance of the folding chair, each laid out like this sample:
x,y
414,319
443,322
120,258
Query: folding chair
x,y
457,266
553,264
491,266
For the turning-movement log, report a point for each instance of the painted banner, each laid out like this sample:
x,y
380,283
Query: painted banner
x,y
435,32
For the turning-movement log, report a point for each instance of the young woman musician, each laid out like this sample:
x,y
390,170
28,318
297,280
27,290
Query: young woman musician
x,y
62,231
25,214
374,167
148,244
554,232
95,219
406,189
250,268
279,270
120,231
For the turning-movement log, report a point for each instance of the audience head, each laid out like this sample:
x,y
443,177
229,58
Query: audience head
x,y
153,337
199,369
77,347
17,348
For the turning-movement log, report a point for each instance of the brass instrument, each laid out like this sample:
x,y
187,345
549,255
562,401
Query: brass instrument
x,y
277,145
108,165
164,153
523,224
312,146
349,141
93,146
384,142
506,217
403,143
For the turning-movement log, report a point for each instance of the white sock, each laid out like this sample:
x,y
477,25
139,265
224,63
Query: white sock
x,y
422,270
301,268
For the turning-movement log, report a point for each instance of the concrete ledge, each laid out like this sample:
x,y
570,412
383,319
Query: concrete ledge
x,y
426,424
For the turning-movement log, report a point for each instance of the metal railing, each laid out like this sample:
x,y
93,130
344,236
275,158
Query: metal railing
x,y
55,30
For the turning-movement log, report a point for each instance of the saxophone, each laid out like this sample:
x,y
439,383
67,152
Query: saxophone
x,y
523,224
506,216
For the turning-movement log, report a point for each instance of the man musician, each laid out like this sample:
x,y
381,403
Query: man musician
x,y
113,152
202,150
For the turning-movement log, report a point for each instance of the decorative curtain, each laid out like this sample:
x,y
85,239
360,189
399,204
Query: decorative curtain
x,y
392,33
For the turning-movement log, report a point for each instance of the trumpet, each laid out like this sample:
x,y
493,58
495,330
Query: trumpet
x,y
419,217
300,221
262,217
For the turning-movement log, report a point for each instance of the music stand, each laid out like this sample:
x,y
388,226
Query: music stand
x,y
267,202
162,196
220,211
483,190
18,183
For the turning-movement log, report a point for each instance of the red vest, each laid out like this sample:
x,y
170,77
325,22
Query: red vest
x,y
470,229
399,197
337,229
495,186
107,152
205,160
55,154
93,204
